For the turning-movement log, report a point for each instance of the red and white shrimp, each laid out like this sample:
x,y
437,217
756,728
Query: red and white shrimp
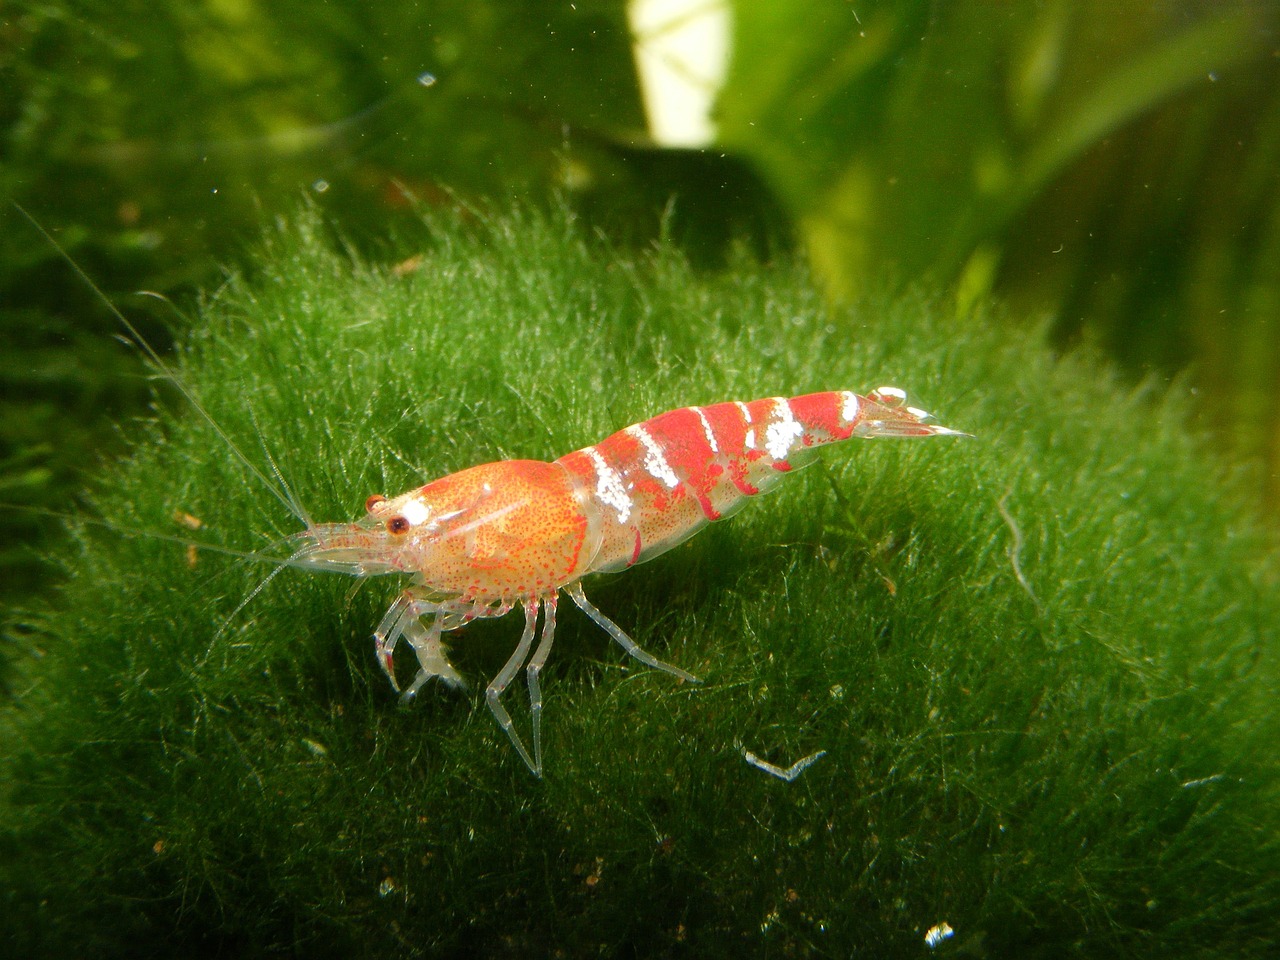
x,y
481,541
517,532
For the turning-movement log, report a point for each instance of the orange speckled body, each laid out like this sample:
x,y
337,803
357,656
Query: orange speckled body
x,y
506,531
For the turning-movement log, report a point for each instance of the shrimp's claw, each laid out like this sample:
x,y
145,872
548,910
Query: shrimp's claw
x,y
403,619
389,632
432,660
448,676
386,660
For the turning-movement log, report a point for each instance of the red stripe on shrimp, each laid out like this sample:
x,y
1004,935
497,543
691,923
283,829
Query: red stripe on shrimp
x,y
730,425
688,451
648,477
826,417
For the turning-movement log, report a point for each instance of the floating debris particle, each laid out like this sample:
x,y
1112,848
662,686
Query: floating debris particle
x,y
937,933
782,773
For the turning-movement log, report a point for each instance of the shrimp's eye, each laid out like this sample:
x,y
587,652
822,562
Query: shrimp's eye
x,y
397,525
373,501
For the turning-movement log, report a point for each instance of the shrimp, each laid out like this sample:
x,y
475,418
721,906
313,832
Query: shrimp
x,y
517,533
482,541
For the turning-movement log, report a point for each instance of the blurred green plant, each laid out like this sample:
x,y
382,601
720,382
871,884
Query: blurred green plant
x,y
1110,165
1038,661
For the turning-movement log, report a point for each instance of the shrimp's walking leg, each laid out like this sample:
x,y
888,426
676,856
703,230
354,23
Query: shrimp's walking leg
x,y
615,631
534,669
493,693
389,632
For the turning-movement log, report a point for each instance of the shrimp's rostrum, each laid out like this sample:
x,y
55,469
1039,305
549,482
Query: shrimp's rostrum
x,y
515,533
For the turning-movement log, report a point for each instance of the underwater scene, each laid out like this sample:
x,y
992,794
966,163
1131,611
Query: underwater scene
x,y
640,479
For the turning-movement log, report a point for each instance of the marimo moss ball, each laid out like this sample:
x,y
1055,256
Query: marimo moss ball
x,y
1034,671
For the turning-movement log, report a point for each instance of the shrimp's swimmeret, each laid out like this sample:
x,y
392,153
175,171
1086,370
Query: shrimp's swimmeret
x,y
515,533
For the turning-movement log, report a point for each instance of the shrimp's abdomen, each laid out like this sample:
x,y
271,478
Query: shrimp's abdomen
x,y
655,484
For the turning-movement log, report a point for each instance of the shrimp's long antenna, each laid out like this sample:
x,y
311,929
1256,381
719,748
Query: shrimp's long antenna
x,y
296,506
296,559
285,496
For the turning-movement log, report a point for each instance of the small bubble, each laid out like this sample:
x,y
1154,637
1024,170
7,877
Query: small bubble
x,y
320,186
427,79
